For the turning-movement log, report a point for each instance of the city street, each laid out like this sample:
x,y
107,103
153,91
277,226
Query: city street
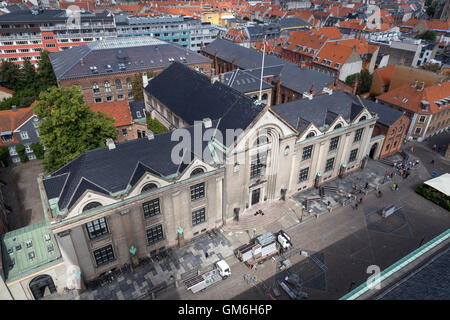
x,y
347,241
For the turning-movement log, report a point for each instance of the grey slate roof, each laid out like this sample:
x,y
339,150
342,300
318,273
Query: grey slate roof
x,y
293,77
49,15
293,22
191,95
136,53
386,115
245,58
111,171
243,81
322,110
135,106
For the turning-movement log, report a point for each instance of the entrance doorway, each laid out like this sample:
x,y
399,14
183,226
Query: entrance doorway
x,y
373,150
255,196
39,285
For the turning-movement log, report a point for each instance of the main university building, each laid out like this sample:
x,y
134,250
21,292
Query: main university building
x,y
133,195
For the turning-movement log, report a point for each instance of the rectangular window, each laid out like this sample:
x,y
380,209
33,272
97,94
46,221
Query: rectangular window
x,y
198,191
422,119
97,228
329,165
353,154
151,208
418,130
303,176
155,234
258,165
358,135
98,100
124,132
104,255
12,151
307,152
334,143
24,135
198,217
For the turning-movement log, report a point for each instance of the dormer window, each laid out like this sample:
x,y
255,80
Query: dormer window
x,y
405,100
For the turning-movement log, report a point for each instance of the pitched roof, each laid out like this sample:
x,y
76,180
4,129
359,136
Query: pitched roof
x,y
117,55
410,98
11,120
119,110
385,74
137,109
6,90
242,81
321,111
334,52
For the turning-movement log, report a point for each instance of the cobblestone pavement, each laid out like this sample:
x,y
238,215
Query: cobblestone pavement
x,y
144,279
343,243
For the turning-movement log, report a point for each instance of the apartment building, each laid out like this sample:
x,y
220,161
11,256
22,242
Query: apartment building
x,y
427,107
104,69
19,126
185,31
25,33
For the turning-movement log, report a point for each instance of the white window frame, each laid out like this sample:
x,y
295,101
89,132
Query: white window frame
x,y
24,135
12,151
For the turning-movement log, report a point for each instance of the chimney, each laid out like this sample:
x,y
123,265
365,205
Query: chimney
x,y
414,84
144,80
312,91
420,88
110,144
82,61
14,108
355,86
149,134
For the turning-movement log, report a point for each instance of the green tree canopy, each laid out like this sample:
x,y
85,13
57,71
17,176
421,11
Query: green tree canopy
x,y
10,75
137,84
427,35
69,127
45,72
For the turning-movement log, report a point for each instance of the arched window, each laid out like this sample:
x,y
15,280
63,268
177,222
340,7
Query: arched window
x,y
91,205
148,187
129,85
197,171
337,126
107,86
118,84
255,97
264,96
310,135
260,141
362,118
95,87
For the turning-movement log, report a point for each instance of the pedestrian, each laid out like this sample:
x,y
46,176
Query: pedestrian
x,y
434,147
432,161
356,206
412,149
367,185
206,254
394,186
361,200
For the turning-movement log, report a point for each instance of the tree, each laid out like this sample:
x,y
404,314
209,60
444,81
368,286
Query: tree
x,y
10,75
69,127
28,74
431,7
137,87
365,81
20,149
45,72
351,79
38,150
427,35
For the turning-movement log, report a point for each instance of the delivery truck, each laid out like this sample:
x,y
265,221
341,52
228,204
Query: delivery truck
x,y
220,272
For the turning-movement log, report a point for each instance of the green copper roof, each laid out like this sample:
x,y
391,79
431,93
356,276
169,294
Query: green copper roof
x,y
27,250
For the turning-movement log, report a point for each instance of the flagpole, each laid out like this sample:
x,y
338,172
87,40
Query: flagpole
x,y
262,69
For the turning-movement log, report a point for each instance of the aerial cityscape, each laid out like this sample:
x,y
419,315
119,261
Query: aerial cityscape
x,y
243,150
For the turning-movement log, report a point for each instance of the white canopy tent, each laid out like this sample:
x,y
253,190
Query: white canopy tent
x,y
441,183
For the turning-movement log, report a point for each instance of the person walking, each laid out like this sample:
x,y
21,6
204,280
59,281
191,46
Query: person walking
x,y
432,161
361,200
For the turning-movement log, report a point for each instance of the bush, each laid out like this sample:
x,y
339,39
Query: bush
x,y
20,148
434,196
38,150
154,125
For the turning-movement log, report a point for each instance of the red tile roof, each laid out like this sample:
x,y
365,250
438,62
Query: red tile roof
x,y
6,90
119,110
410,98
334,52
10,120
385,74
